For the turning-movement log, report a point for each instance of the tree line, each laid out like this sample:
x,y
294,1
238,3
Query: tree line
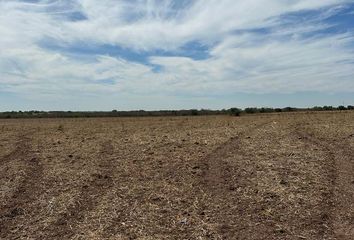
x,y
142,113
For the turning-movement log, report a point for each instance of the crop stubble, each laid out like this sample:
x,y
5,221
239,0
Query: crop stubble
x,y
274,176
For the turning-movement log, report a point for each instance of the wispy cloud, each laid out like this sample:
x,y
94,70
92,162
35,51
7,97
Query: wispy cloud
x,y
258,46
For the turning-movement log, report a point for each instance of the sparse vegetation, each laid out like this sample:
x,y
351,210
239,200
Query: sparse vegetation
x,y
61,128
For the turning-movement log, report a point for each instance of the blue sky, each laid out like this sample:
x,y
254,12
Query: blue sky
x,y
170,54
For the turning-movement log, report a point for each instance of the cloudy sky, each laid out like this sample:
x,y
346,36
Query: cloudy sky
x,y
174,54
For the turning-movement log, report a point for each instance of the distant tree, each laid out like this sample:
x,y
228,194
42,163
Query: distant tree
x,y
350,107
317,108
194,112
251,110
235,111
341,108
262,110
327,108
266,110
288,109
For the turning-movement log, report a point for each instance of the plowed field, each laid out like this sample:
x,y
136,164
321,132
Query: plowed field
x,y
270,176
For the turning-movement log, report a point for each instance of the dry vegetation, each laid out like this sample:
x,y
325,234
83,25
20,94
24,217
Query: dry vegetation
x,y
272,176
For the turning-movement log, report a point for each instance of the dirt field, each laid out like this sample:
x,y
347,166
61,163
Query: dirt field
x,y
287,176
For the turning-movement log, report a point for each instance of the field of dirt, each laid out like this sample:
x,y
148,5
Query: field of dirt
x,y
270,176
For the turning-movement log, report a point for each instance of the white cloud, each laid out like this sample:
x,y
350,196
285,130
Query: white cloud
x,y
146,25
270,66
280,60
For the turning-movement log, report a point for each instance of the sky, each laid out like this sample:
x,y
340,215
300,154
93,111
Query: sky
x,y
175,54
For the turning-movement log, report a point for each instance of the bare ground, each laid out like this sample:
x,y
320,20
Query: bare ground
x,y
287,176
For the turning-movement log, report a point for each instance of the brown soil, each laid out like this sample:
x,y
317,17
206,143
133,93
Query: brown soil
x,y
275,176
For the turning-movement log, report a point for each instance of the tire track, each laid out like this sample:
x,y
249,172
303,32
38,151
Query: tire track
x,y
30,186
220,180
229,177
327,195
88,198
340,199
216,171
21,149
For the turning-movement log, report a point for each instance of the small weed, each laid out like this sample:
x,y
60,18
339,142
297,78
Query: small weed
x,y
61,128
